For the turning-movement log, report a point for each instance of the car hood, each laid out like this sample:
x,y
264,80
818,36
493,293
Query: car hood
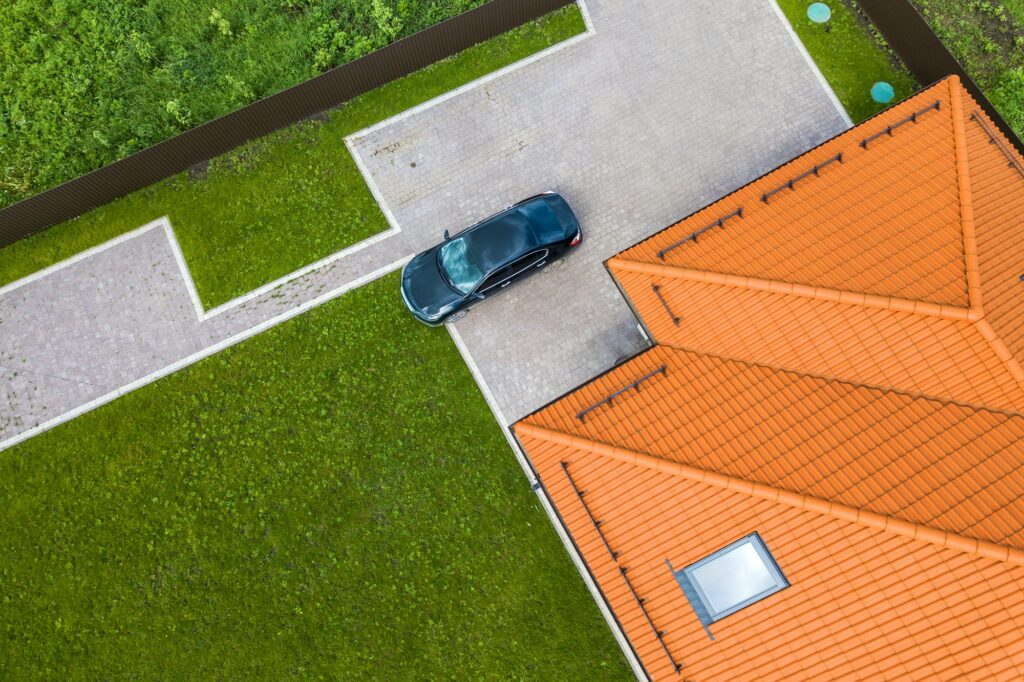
x,y
424,287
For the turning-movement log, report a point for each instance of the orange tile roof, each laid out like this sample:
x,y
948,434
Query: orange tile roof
x,y
869,597
881,451
883,342
839,369
884,220
897,267
997,190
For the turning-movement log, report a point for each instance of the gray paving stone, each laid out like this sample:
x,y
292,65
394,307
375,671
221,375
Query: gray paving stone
x,y
639,125
665,107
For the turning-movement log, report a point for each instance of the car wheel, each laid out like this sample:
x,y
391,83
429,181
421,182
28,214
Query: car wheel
x,y
455,317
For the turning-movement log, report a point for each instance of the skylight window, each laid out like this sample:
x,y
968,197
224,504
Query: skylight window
x,y
732,578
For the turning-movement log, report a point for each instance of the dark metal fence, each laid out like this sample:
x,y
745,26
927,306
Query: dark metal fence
x,y
910,36
282,109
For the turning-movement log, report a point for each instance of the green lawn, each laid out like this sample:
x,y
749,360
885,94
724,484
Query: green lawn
x,y
851,55
987,36
283,201
85,82
330,499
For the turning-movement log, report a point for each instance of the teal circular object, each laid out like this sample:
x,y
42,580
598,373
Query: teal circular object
x,y
882,92
819,12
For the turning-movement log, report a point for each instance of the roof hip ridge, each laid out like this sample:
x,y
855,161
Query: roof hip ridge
x,y
963,180
894,303
1002,352
862,517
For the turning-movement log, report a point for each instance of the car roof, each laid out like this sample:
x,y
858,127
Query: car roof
x,y
500,239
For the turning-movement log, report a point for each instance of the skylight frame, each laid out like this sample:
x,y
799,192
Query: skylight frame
x,y
699,600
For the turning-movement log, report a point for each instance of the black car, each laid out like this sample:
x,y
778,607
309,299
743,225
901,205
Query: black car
x,y
438,285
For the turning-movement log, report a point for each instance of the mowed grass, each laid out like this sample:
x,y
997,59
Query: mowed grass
x,y
330,499
285,200
852,56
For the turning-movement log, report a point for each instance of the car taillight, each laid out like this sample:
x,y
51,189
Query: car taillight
x,y
577,239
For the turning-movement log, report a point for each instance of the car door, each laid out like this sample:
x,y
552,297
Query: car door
x,y
503,277
531,264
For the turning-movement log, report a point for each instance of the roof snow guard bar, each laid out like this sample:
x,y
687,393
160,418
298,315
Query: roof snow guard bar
x,y
657,292
660,634
791,185
582,416
936,105
693,235
994,139
597,524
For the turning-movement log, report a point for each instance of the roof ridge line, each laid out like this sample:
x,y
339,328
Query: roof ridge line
x,y
904,305
963,180
869,519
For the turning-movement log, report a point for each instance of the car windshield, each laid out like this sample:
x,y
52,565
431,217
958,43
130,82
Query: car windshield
x,y
458,264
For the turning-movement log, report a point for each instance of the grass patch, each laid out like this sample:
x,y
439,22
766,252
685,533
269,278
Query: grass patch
x,y
285,200
987,37
851,54
331,499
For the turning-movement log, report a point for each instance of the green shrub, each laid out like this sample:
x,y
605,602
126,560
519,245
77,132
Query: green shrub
x,y
1008,97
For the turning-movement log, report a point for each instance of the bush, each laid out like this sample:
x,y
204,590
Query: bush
x,y
987,37
1008,96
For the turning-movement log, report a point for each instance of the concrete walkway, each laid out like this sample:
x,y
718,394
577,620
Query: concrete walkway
x,y
658,109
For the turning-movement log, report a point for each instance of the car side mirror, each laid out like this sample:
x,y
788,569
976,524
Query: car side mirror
x,y
446,235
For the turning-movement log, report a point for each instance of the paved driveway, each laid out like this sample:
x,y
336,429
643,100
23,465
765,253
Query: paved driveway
x,y
662,107
666,107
